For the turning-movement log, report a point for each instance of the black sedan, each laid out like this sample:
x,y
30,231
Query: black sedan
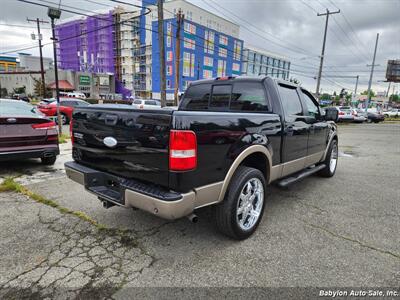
x,y
375,117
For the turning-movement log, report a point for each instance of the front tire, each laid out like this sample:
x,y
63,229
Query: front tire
x,y
49,161
241,211
331,160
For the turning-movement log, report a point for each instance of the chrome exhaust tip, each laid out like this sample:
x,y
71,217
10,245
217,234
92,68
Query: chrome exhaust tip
x,y
193,218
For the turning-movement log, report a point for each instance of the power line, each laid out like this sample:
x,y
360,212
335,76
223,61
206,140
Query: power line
x,y
292,46
347,35
22,26
75,36
294,71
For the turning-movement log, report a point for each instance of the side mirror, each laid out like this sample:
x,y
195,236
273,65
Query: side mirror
x,y
331,114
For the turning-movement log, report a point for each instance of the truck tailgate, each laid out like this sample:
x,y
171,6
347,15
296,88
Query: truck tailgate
x,y
141,137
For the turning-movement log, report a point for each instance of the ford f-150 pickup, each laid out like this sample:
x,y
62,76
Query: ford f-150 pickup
x,y
227,140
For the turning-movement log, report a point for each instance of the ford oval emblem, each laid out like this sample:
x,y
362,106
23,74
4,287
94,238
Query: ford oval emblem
x,y
109,141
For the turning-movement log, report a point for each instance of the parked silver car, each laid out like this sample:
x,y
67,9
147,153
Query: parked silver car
x,y
359,115
146,104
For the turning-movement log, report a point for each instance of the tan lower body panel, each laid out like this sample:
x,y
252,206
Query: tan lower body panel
x,y
202,196
165,209
294,166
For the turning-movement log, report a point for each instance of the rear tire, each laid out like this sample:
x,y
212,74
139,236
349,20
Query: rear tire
x,y
241,211
49,161
331,160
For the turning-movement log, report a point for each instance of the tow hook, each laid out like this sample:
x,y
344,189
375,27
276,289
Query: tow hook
x,y
193,218
107,204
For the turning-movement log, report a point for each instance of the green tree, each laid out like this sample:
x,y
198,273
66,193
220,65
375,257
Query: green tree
x,y
394,98
19,90
38,88
366,93
326,96
3,92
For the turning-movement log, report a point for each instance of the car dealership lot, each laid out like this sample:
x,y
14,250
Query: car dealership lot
x,y
343,231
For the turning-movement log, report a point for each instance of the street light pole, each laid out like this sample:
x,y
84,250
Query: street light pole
x,y
55,13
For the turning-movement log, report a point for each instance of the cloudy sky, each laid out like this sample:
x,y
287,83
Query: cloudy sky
x,y
290,28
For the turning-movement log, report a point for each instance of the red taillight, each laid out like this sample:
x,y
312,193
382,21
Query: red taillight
x,y
47,125
341,113
182,150
70,131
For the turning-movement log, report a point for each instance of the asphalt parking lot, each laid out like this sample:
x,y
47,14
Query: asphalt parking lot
x,y
342,231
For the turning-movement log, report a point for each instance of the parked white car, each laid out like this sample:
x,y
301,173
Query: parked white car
x,y
394,112
345,114
146,104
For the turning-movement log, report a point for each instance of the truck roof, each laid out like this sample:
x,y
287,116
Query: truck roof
x,y
243,78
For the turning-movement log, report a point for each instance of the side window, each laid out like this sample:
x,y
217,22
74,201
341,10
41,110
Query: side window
x,y
290,100
82,103
221,94
248,96
66,103
312,108
196,97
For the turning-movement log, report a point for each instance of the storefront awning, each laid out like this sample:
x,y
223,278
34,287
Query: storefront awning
x,y
62,85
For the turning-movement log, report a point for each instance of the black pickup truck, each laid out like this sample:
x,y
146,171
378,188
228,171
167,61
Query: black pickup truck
x,y
228,139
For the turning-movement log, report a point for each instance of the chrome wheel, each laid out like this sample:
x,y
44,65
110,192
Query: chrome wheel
x,y
63,119
250,204
334,157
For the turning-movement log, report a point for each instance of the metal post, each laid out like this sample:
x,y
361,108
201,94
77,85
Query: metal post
x,y
372,73
179,19
163,86
323,48
59,120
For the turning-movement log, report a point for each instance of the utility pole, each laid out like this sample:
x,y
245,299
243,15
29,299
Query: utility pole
x,y
38,22
355,89
163,86
388,90
372,73
179,18
55,13
327,13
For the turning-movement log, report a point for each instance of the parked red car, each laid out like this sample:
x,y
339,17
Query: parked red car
x,y
67,105
26,133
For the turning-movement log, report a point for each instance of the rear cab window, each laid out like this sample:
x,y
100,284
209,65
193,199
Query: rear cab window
x,y
239,96
150,102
